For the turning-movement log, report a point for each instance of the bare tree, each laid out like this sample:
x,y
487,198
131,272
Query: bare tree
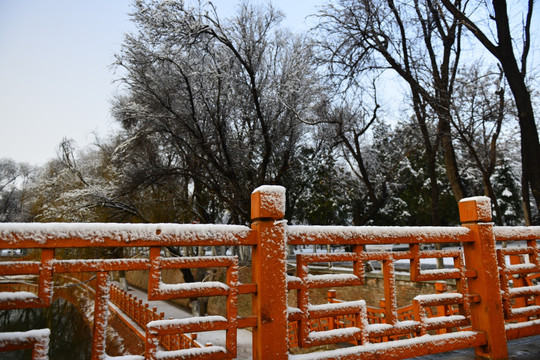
x,y
480,109
14,182
219,100
347,126
503,45
415,40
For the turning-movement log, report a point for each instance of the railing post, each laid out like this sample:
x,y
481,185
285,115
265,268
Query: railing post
x,y
101,312
269,273
480,255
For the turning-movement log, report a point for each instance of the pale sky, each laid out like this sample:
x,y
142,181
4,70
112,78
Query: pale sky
x,y
55,76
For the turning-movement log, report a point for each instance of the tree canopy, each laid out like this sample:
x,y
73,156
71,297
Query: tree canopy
x,y
211,108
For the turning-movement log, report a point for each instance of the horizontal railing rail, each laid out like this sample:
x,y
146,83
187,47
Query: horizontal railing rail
x,y
481,317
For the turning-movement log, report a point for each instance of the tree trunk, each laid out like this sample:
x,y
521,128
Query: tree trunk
x,y
504,52
449,154
530,145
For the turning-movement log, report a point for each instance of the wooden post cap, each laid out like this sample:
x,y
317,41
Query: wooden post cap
x,y
268,202
475,209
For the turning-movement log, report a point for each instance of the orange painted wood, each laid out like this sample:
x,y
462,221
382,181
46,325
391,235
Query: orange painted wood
x,y
475,209
475,271
101,305
268,271
486,315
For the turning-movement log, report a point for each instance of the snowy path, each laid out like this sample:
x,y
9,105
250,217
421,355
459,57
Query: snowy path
x,y
170,310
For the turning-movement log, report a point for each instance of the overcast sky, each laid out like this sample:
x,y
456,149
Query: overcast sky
x,y
55,76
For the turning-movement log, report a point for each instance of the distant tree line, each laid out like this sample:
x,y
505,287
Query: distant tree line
x,y
211,108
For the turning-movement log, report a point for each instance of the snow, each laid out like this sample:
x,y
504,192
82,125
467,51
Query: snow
x,y
443,320
377,349
165,324
19,264
526,310
198,286
516,232
378,234
333,336
408,325
379,327
520,267
98,233
483,206
435,298
446,272
521,325
40,336
331,279
524,290
342,306
293,310
507,193
190,353
17,337
274,199
17,296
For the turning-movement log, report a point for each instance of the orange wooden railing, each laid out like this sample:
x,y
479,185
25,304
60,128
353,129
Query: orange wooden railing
x,y
493,298
18,287
136,309
141,313
374,315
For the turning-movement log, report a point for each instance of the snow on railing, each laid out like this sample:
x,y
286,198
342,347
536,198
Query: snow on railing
x,y
488,282
49,237
519,269
141,313
377,320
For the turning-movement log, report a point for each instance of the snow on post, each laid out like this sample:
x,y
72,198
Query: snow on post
x,y
474,209
268,201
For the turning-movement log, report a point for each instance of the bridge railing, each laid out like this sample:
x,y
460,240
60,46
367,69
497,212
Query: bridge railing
x,y
141,313
479,270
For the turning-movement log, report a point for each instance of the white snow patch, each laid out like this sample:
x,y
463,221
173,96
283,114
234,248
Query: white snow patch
x,y
196,286
437,297
378,234
17,296
96,233
36,336
334,335
275,198
507,193
374,348
124,357
187,321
